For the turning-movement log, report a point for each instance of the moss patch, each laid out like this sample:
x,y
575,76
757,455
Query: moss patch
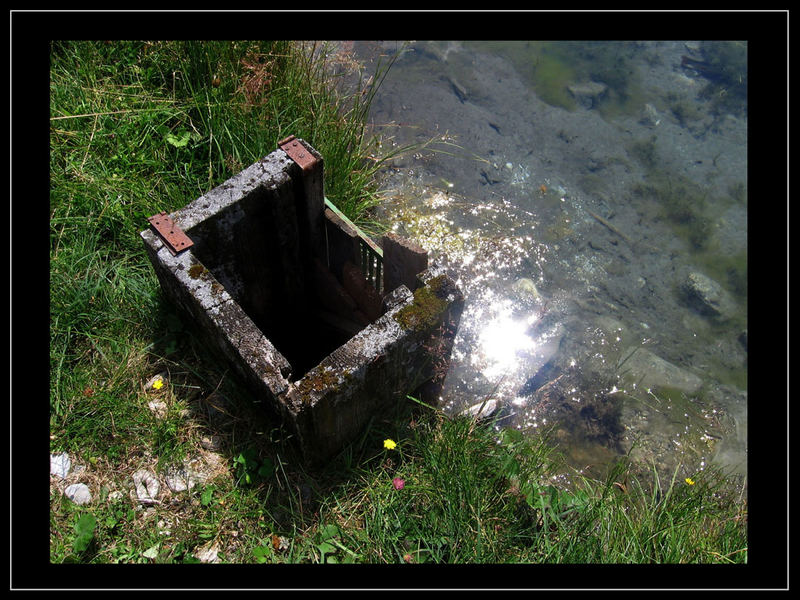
x,y
430,301
197,270
317,381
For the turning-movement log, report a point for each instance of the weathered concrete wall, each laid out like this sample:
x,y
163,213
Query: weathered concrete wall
x,y
215,282
219,318
378,367
312,339
402,261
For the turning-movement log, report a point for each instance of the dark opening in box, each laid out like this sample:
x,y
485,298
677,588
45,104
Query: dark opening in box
x,y
255,250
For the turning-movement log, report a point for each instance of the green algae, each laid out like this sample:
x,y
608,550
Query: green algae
x,y
683,204
729,270
549,67
726,72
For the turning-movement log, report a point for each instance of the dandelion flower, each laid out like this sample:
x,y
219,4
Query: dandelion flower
x,y
689,480
389,444
158,384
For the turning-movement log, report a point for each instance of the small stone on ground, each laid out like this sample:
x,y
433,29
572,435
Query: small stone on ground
x,y
78,493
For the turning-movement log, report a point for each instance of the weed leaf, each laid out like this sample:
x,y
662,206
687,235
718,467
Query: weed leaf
x,y
178,142
84,527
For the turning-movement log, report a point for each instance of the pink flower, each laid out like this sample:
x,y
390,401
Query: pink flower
x,y
398,483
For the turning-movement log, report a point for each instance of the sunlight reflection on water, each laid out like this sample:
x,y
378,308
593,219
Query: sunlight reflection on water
x,y
495,260
501,341
515,318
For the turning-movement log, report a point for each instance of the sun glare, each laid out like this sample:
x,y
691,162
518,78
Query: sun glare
x,y
500,343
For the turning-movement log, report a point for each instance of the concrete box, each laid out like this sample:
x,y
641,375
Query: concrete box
x,y
276,281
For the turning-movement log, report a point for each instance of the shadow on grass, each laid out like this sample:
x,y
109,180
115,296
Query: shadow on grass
x,y
249,434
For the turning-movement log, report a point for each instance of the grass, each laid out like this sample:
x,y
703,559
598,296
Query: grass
x,y
465,498
139,127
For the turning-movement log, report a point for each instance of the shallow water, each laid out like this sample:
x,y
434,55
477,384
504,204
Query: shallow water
x,y
571,216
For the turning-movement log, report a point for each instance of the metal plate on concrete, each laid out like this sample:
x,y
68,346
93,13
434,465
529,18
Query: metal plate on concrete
x,y
298,152
175,239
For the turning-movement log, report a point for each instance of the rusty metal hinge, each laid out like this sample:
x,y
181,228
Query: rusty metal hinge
x,y
298,152
175,239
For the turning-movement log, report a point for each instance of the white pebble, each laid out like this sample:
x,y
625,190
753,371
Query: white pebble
x,y
60,464
147,486
208,553
78,493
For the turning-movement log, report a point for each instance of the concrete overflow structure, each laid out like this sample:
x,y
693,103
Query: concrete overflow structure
x,y
326,325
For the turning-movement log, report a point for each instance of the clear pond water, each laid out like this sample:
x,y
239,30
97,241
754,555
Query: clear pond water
x,y
573,189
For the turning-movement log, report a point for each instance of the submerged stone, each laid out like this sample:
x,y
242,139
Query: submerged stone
x,y
525,289
588,94
708,297
481,410
649,116
651,371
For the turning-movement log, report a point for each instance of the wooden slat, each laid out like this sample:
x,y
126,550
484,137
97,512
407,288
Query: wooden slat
x,y
371,253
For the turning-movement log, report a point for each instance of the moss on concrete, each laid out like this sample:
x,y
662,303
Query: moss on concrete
x,y
197,270
318,380
430,302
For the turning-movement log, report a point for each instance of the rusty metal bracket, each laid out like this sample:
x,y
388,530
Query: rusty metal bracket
x,y
175,239
298,152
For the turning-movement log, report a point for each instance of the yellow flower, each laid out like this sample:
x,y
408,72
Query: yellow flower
x,y
689,480
158,384
389,444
